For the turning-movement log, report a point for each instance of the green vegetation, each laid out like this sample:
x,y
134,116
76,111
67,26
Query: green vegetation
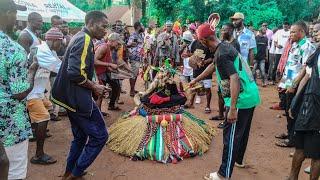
x,y
256,11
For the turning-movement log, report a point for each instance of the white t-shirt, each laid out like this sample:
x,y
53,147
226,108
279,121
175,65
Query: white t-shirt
x,y
48,62
187,70
281,37
272,48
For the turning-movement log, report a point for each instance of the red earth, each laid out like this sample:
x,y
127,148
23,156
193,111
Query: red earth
x,y
265,161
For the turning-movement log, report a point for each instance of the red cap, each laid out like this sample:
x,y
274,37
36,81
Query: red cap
x,y
204,31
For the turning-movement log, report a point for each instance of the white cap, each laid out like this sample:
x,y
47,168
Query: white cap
x,y
187,36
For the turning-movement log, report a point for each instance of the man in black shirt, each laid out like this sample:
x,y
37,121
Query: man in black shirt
x,y
226,36
202,65
261,56
240,98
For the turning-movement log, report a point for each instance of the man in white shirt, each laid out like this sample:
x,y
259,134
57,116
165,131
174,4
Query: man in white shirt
x,y
37,104
279,39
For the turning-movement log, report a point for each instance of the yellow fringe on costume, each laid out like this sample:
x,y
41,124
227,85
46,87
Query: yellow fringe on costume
x,y
126,135
200,137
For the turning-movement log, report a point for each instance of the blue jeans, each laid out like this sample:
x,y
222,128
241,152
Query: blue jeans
x,y
259,64
82,154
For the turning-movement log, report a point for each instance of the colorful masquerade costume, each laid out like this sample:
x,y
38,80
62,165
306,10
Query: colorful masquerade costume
x,y
159,128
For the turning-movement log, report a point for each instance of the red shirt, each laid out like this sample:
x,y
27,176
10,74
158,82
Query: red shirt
x,y
107,58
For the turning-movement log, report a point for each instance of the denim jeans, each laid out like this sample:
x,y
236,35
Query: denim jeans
x,y
259,64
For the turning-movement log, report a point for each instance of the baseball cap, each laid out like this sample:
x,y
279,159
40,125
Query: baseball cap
x,y
10,5
187,36
204,31
168,23
237,15
115,37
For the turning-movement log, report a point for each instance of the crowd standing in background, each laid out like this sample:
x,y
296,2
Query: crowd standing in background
x,y
64,74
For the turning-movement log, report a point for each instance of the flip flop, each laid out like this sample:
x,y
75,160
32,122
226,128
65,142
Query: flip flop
x,y
43,160
188,106
105,114
276,107
120,102
114,108
282,136
217,118
284,144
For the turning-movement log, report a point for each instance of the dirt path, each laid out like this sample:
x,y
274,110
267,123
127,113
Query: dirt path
x,y
265,160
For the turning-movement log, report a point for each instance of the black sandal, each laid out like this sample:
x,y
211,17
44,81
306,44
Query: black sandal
x,y
114,108
217,118
285,143
43,160
282,136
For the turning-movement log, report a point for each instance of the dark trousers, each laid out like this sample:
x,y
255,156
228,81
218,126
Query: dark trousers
x,y
235,140
290,121
283,99
90,135
115,89
275,66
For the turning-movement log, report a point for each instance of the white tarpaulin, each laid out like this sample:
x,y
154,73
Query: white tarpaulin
x,y
48,8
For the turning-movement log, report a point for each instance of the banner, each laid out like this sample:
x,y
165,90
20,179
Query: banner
x,y
48,8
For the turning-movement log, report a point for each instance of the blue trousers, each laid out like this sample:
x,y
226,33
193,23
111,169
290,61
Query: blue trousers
x,y
235,140
90,135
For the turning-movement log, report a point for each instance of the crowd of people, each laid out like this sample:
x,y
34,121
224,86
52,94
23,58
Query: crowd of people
x,y
45,75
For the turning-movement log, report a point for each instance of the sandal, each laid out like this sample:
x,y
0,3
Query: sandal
x,y
222,125
188,106
207,110
105,114
120,102
114,108
217,118
276,107
43,160
285,143
282,136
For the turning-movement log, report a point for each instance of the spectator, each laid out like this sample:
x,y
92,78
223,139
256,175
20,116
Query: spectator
x,y
202,64
28,37
167,46
293,62
280,39
105,65
245,38
37,104
66,34
307,115
56,22
16,81
261,56
271,58
4,163
135,47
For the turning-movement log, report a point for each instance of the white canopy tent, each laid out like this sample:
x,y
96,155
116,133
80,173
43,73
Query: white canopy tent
x,y
48,8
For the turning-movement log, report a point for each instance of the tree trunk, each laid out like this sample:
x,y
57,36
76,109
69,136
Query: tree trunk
x,y
135,11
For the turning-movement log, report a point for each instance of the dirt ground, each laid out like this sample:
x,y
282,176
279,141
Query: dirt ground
x,y
265,161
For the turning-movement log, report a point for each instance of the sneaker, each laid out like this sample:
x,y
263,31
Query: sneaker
x,y
198,100
307,170
213,176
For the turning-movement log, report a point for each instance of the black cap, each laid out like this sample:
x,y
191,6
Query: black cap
x,y
10,5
